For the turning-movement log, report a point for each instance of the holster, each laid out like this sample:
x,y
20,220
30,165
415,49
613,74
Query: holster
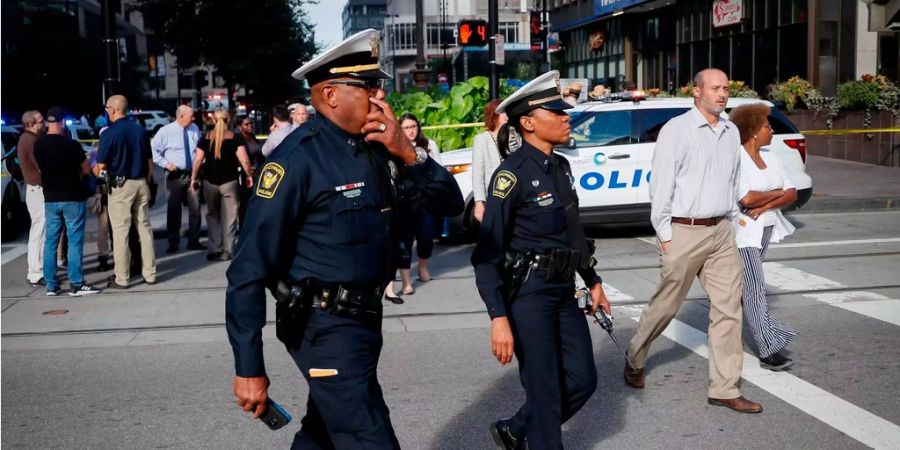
x,y
516,270
562,264
293,306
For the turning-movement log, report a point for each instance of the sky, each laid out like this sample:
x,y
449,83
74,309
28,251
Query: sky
x,y
327,19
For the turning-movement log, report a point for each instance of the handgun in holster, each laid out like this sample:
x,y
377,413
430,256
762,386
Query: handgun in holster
x,y
517,267
293,306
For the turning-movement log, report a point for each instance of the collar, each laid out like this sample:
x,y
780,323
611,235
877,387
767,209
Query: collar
x,y
699,120
355,142
539,157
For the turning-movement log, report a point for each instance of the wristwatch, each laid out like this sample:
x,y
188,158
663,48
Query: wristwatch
x,y
421,157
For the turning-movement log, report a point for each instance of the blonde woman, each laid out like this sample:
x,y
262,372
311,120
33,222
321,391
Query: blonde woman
x,y
222,154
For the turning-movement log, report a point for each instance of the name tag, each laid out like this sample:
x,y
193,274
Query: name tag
x,y
350,186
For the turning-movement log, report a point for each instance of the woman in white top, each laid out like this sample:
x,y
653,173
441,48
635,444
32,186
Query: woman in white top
x,y
485,155
764,189
415,222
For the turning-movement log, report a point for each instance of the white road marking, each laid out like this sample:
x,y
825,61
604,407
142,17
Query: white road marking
x,y
869,304
831,243
865,427
13,253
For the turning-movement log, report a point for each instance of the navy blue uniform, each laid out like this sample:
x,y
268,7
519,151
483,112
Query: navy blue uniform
x,y
552,343
323,209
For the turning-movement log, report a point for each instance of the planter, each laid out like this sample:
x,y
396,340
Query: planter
x,y
872,148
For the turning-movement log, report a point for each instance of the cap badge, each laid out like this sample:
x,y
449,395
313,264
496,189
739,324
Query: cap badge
x,y
373,43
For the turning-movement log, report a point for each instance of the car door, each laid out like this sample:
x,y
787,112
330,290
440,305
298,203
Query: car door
x,y
603,158
649,122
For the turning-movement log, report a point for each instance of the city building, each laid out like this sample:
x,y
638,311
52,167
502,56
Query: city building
x,y
360,15
399,39
662,43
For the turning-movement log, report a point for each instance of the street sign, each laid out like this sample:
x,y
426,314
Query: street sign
x,y
499,54
472,33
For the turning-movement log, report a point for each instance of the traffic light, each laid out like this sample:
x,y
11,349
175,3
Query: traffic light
x,y
472,33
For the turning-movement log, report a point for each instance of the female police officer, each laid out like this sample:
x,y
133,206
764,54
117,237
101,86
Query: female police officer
x,y
531,244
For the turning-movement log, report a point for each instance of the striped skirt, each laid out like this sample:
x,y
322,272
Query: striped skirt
x,y
770,334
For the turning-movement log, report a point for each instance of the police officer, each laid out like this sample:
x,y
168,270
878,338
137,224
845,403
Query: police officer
x,y
320,221
531,243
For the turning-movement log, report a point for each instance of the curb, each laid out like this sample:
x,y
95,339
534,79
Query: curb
x,y
850,204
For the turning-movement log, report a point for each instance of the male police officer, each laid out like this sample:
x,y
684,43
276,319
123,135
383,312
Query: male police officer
x,y
320,221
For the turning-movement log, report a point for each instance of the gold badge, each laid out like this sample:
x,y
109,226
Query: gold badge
x,y
503,183
373,42
271,177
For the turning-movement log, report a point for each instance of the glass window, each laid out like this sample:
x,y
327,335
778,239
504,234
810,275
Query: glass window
x,y
721,54
603,129
650,121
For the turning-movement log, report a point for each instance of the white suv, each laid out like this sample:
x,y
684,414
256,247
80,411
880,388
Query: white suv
x,y
612,156
152,120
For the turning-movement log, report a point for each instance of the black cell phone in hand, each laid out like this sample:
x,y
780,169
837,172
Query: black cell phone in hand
x,y
275,416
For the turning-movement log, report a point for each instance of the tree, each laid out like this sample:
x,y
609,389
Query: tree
x,y
254,44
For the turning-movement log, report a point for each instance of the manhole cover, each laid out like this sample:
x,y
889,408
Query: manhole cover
x,y
56,312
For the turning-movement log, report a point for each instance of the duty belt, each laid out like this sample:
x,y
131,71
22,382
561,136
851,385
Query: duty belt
x,y
559,264
348,302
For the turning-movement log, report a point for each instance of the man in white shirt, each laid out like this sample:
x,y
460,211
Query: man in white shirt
x,y
299,114
173,149
281,127
693,193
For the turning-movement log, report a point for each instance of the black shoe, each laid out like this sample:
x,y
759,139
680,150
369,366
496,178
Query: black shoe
x,y
195,246
775,362
171,249
213,256
84,289
113,284
394,300
37,283
504,438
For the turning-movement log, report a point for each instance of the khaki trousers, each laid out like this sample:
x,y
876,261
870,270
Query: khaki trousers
x,y
222,203
34,200
709,253
126,204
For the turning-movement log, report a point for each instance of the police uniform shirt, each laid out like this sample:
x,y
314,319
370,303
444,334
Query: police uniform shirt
x,y
523,212
322,209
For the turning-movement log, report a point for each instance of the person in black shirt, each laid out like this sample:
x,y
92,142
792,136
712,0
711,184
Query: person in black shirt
x,y
531,218
323,216
222,154
254,152
63,167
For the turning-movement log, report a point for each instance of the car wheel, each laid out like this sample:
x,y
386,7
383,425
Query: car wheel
x,y
15,218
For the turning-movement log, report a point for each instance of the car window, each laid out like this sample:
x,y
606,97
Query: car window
x,y
780,123
10,140
603,128
650,121
84,133
144,116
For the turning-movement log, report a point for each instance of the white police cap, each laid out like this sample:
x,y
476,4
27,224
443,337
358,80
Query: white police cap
x,y
356,56
541,92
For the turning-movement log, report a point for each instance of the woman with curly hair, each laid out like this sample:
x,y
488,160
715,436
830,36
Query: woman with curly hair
x,y
764,189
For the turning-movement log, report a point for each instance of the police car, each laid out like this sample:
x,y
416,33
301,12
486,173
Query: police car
x,y
152,121
14,218
611,150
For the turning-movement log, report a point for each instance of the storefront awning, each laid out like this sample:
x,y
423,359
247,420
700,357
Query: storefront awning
x,y
602,9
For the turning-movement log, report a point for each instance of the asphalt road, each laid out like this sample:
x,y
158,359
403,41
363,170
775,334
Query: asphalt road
x,y
151,368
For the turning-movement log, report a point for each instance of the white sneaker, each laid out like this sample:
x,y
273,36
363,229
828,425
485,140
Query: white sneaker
x,y
84,289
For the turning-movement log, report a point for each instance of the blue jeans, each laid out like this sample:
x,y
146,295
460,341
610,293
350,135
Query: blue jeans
x,y
73,214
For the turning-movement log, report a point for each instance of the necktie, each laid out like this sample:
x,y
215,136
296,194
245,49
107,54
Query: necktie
x,y
187,151
574,229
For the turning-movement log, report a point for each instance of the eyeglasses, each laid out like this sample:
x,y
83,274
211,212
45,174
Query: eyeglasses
x,y
370,85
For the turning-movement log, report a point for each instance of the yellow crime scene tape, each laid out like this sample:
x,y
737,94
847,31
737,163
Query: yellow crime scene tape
x,y
481,124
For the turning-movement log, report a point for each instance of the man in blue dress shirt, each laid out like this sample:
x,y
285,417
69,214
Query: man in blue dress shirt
x,y
173,149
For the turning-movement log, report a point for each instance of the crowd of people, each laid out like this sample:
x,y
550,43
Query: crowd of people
x,y
356,188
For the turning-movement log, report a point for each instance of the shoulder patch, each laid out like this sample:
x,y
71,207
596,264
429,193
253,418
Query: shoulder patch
x,y
503,183
269,179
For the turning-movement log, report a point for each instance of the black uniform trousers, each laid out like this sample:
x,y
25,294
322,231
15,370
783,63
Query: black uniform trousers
x,y
346,410
556,359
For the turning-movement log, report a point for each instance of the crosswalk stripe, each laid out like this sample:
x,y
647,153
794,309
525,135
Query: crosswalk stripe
x,y
832,243
859,424
869,304
13,253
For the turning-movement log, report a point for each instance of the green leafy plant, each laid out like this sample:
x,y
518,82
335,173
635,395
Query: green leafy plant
x,y
463,104
819,104
858,95
739,89
792,92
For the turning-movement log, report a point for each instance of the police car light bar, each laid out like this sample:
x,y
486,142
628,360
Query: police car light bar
x,y
634,96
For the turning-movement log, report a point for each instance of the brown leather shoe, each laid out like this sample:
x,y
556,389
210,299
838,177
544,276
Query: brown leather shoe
x,y
739,404
634,378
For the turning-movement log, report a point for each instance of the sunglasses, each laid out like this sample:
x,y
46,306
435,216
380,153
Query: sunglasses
x,y
364,84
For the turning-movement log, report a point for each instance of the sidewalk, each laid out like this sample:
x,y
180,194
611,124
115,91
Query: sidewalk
x,y
840,185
